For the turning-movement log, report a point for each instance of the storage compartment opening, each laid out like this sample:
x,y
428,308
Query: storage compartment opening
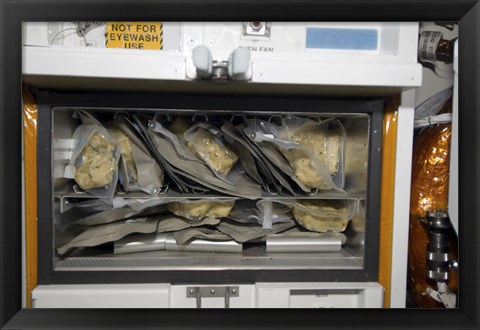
x,y
159,250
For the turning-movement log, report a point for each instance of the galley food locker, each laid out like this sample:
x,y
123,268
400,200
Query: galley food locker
x,y
302,227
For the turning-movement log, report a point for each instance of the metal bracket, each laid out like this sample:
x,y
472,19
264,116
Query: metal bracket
x,y
212,292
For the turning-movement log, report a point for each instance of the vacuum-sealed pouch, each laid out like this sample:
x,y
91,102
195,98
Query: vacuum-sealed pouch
x,y
201,173
313,148
279,160
209,146
199,209
193,239
150,174
320,155
242,232
263,175
324,215
107,216
127,170
141,124
279,180
271,213
95,158
138,170
97,235
245,157
186,235
175,137
262,212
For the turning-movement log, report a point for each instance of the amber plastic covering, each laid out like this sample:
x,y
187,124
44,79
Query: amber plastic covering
x,y
389,145
30,159
430,174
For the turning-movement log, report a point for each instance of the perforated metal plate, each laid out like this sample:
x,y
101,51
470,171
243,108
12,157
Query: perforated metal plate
x,y
167,261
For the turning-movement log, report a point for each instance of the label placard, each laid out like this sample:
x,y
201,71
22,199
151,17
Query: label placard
x,y
427,46
134,35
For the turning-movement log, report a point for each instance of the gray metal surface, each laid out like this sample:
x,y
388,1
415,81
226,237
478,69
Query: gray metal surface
x,y
140,243
178,260
303,244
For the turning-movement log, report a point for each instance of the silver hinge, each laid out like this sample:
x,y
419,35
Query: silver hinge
x,y
212,292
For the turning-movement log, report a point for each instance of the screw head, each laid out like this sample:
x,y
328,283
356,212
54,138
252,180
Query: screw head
x,y
212,291
234,291
191,291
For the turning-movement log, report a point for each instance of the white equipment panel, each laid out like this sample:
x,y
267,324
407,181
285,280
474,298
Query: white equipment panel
x,y
332,54
259,295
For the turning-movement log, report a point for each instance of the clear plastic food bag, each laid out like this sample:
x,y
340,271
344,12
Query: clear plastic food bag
x,y
127,169
324,215
174,134
209,146
95,158
263,212
234,184
313,148
138,171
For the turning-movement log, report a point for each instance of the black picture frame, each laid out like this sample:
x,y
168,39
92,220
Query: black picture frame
x,y
13,13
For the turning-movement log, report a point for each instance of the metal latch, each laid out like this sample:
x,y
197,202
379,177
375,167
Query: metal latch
x,y
212,292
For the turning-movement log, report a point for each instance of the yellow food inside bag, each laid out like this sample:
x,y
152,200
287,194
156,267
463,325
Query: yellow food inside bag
x,y
97,165
201,209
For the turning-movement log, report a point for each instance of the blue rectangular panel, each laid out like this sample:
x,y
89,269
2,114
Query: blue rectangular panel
x,y
334,38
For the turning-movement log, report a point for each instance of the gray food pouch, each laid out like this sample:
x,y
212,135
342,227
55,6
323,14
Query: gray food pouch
x,y
111,232
127,169
244,155
248,232
150,175
170,222
267,180
245,211
192,239
98,235
112,215
140,124
276,174
186,235
95,158
90,205
176,139
202,174
236,133
140,243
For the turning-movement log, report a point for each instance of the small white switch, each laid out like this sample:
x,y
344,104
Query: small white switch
x,y
203,61
239,64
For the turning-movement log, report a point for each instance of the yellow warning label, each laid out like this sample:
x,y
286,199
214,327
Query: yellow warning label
x,y
135,35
